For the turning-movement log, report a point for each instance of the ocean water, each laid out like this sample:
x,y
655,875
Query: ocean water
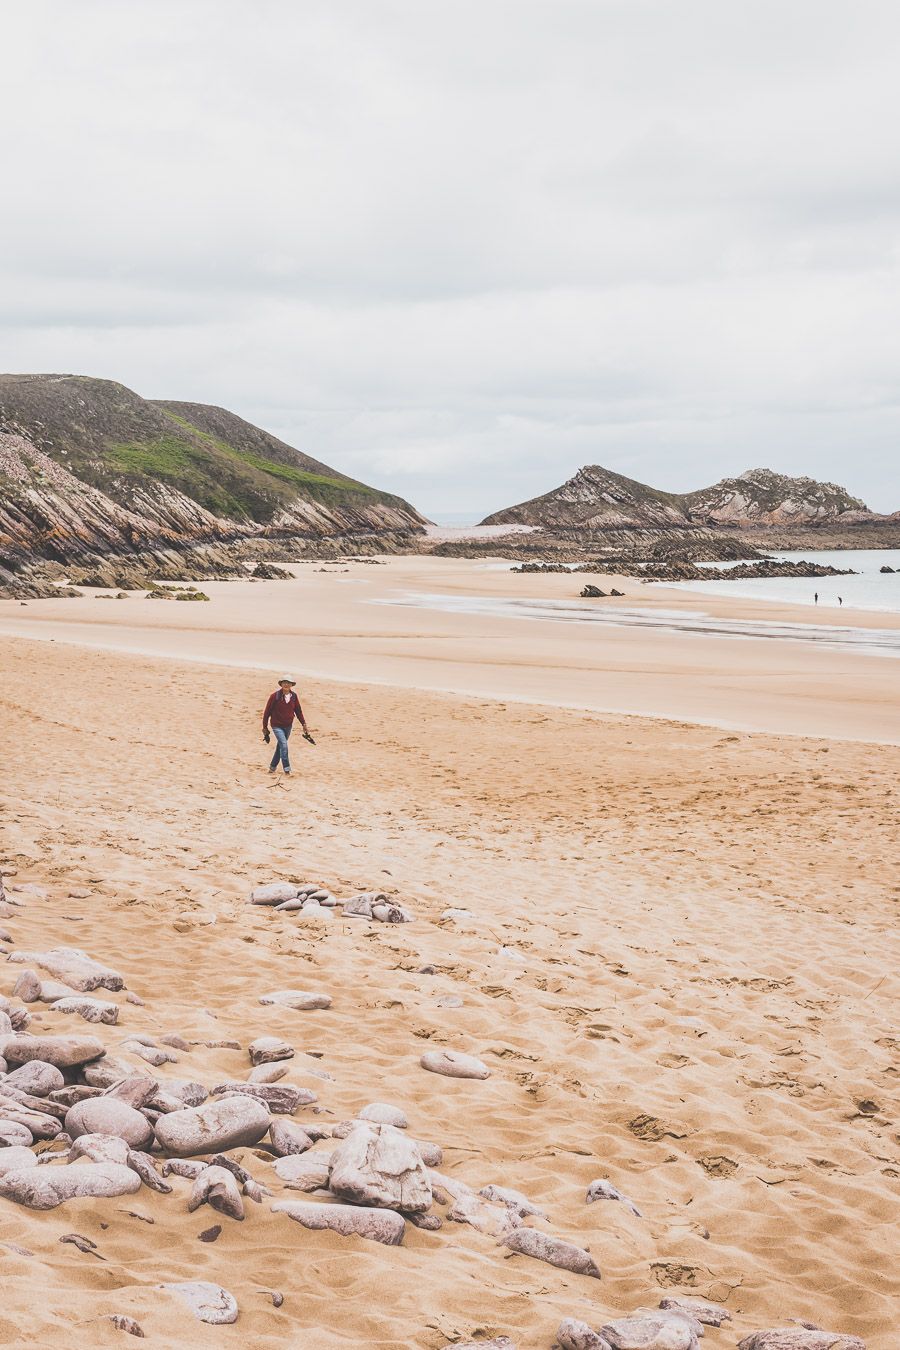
x,y
868,590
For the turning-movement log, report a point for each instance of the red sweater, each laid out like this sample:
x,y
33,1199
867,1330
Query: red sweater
x,y
281,711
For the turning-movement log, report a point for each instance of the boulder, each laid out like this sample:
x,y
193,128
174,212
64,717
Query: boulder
x,y
37,1078
309,1173
269,1049
267,1073
74,967
109,1115
383,1114
453,1064
47,1187
799,1338
574,1335
215,1127
216,1187
282,1099
13,1134
288,1138
378,1165
299,999
275,893
63,1052
208,1302
665,1331
605,1190
377,1225
710,1314
15,1157
553,1250
91,1009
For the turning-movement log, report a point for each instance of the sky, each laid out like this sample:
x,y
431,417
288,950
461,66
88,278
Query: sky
x,y
458,248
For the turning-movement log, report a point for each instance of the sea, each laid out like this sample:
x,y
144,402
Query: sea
x,y
869,589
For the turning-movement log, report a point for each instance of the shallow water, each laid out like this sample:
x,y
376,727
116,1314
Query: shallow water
x,y
870,641
868,590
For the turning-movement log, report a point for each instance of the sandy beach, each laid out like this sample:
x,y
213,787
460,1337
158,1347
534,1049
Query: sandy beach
x,y
678,853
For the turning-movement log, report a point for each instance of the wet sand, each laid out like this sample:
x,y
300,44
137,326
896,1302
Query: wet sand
x,y
680,964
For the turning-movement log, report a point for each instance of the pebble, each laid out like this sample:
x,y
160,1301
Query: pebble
x,y
453,1064
108,1115
299,999
605,1190
269,1049
128,1324
378,1225
63,1052
47,1187
574,1335
378,1165
91,1009
553,1250
208,1302
216,1126
449,1001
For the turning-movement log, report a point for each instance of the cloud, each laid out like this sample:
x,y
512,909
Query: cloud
x,y
461,249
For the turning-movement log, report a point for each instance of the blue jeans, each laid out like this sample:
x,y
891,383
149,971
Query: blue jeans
x,y
281,735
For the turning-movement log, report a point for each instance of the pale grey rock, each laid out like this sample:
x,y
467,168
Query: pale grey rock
x,y
108,1072
183,1167
151,1053
314,913
282,1099
377,1165
6,1025
184,1090
14,1135
127,1324
605,1190
377,1225
495,1343
648,1332
553,1250
307,1173
137,1090
449,1001
15,1157
456,914
215,1127
432,1155
208,1302
288,1138
300,999
515,1200
480,1214
383,1114
275,893
269,1050
574,1335
37,1078
144,1165
681,1315
63,1052
100,1148
799,1338
73,967
710,1314
91,1009
216,1187
40,1124
47,1187
389,912
454,1064
267,1073
27,987
360,906
108,1115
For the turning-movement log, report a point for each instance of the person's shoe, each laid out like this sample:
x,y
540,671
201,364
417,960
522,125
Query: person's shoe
x,y
272,771
287,773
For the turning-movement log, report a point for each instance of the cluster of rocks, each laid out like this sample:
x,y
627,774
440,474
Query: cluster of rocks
x,y
75,1121
649,569
311,901
595,593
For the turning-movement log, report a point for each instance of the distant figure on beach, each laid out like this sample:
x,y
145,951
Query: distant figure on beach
x,y
816,597
283,706
840,599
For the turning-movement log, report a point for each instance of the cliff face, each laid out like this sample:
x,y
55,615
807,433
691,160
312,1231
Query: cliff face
x,y
597,500
89,466
761,497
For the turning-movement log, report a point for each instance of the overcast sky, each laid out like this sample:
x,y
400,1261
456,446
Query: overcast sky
x,y
458,248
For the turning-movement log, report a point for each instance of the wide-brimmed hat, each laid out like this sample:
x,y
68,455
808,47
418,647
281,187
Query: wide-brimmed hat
x,y
286,679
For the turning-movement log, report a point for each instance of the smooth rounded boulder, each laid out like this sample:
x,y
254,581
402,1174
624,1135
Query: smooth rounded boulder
x,y
377,1225
454,1064
214,1127
37,1078
109,1115
47,1187
63,1052
380,1166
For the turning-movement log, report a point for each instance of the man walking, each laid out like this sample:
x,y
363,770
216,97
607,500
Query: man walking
x,y
283,706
